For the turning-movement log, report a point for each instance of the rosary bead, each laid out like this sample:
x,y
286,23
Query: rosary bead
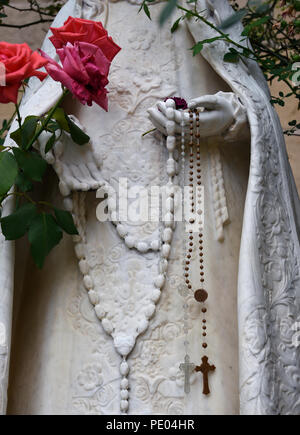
x,y
163,265
149,310
84,267
159,281
166,248
142,247
100,312
88,282
167,235
201,295
94,297
124,394
155,297
79,251
121,230
124,405
171,143
171,168
169,219
107,326
124,383
170,204
155,244
129,242
170,126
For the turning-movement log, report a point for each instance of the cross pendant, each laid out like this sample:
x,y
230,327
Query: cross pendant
x,y
205,368
187,368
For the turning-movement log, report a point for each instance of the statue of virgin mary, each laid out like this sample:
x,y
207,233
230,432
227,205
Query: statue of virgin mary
x,y
144,317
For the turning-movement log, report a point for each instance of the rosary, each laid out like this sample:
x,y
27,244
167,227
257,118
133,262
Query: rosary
x,y
193,243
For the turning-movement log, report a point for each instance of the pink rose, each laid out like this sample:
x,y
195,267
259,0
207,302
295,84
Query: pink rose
x,y
84,72
80,30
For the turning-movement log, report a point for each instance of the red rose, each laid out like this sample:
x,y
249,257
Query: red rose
x,y
19,63
80,30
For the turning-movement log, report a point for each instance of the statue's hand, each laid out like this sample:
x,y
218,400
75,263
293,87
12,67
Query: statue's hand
x,y
78,167
218,114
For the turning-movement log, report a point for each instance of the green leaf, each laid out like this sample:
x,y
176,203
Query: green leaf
x,y
8,171
65,221
77,134
23,183
175,25
28,130
22,136
232,56
254,24
147,12
43,235
233,19
31,163
50,143
167,11
60,116
16,224
17,137
53,126
197,48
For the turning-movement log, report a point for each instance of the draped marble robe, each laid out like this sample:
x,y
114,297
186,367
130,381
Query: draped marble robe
x,y
62,360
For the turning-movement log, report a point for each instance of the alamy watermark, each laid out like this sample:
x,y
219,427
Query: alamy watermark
x,y
136,204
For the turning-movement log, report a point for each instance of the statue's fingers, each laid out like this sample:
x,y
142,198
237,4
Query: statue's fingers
x,y
40,145
88,177
94,171
158,120
209,117
84,171
59,148
160,128
207,102
179,115
161,105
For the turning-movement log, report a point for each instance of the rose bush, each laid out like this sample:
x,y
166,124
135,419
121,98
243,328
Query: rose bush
x,y
20,63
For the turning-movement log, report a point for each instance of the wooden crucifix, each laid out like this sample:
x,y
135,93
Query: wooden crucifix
x,y
187,368
205,368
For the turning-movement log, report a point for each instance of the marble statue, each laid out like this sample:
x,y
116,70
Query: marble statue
x,y
104,330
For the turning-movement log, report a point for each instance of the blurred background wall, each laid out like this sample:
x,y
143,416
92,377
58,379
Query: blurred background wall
x,y
34,36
